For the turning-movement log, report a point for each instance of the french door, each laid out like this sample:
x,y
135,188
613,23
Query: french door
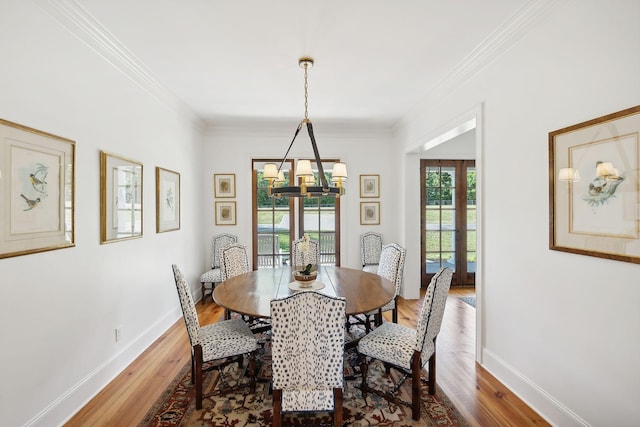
x,y
448,219
277,221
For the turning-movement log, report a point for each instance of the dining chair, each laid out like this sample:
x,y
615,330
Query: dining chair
x,y
224,342
370,250
233,262
407,350
302,258
213,276
391,267
307,351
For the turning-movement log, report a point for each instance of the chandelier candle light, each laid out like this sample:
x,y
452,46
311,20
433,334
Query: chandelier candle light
x,y
303,172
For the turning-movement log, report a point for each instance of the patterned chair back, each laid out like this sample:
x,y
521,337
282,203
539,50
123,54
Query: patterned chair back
x,y
308,349
233,260
432,311
301,259
370,248
391,265
189,312
218,242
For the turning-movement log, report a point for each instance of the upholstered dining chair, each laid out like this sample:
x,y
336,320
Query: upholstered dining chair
x,y
307,337
225,341
370,250
391,267
408,350
213,276
302,258
233,262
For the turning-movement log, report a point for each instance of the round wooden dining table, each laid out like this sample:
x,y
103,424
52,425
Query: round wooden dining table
x,y
251,293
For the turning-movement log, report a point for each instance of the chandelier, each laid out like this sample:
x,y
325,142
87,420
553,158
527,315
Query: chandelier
x,y
304,174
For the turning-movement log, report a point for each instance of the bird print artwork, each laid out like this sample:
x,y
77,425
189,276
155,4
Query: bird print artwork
x,y
603,186
31,203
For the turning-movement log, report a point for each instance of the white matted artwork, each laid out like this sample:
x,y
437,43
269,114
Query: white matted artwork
x,y
37,190
224,185
369,186
167,200
369,213
120,198
225,213
593,187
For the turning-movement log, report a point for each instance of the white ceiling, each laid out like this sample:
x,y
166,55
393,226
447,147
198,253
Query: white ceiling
x,y
230,60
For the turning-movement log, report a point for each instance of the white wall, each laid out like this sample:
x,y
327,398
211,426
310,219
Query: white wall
x,y
59,309
559,329
366,151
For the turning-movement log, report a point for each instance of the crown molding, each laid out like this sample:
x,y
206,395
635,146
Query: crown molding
x,y
501,40
79,22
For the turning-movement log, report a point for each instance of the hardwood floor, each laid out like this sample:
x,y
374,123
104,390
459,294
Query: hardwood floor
x,y
482,399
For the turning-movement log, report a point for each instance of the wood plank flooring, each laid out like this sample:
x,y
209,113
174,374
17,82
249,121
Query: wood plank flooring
x,y
481,399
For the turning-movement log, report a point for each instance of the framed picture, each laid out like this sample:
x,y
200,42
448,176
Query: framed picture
x,y
167,200
120,198
594,208
225,185
37,189
225,213
369,213
369,186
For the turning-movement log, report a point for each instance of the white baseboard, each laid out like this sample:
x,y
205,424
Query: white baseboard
x,y
63,408
539,400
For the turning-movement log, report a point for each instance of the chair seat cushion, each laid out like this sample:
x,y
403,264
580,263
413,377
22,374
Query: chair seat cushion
x,y
390,343
226,338
307,400
211,276
371,268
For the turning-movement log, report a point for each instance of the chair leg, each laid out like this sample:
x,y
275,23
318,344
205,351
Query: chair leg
x,y
193,368
337,407
277,408
394,314
432,372
416,384
198,356
204,288
252,372
363,368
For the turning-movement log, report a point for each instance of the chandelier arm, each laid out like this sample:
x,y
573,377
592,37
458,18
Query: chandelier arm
x,y
290,145
323,179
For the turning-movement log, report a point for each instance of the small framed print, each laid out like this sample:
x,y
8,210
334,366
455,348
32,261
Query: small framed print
x,y
120,198
167,200
369,213
369,186
225,213
225,185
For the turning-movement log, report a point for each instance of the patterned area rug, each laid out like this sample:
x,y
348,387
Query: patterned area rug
x,y
176,406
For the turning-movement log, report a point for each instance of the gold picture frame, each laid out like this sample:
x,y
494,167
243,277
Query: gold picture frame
x,y
121,201
225,213
167,200
594,202
369,213
37,189
224,185
369,186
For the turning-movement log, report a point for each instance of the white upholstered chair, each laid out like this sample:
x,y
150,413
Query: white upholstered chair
x,y
233,262
224,341
213,276
408,350
301,258
370,250
308,354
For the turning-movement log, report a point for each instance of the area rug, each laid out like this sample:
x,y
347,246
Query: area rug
x,y
471,300
176,406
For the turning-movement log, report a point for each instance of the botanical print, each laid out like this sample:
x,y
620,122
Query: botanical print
x,y
225,213
225,185
369,185
168,192
369,213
